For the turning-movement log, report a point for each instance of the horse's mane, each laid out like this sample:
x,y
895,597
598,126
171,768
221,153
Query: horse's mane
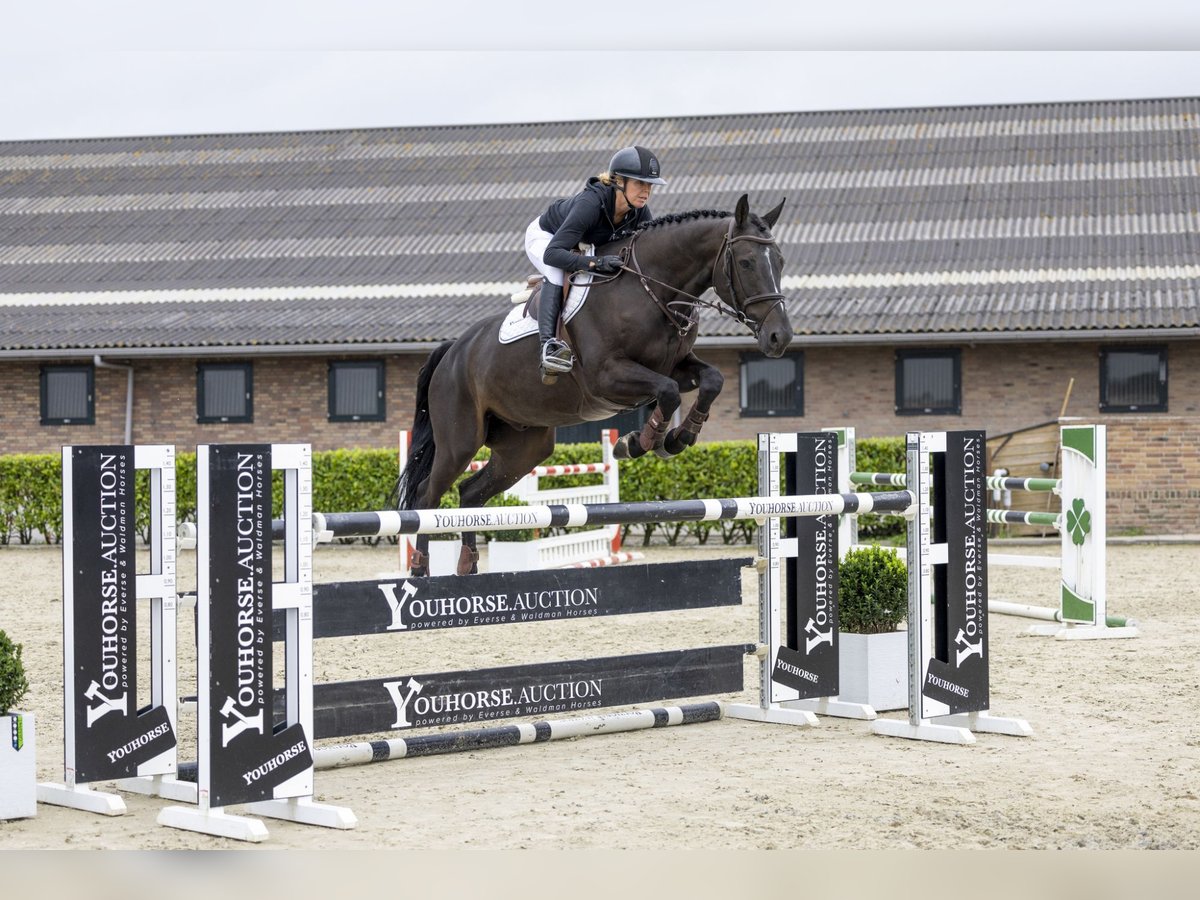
x,y
674,218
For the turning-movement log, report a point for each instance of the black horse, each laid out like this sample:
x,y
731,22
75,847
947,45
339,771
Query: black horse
x,y
633,343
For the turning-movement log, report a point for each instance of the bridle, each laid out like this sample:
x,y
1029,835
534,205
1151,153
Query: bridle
x,y
684,314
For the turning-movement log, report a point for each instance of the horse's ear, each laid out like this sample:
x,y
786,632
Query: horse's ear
x,y
742,212
773,216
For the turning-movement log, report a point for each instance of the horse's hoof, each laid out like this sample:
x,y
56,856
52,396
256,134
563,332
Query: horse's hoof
x,y
664,453
620,450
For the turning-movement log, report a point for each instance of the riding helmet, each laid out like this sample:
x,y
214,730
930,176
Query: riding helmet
x,y
636,162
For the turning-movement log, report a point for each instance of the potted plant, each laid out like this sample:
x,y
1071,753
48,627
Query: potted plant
x,y
18,749
872,602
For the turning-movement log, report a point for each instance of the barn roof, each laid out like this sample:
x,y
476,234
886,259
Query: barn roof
x,y
987,222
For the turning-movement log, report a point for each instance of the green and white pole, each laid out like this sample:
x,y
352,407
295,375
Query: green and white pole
x,y
1084,535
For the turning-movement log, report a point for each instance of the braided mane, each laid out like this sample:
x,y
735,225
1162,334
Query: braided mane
x,y
674,218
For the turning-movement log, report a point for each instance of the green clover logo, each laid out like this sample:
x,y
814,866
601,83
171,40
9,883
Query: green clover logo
x,y
1079,521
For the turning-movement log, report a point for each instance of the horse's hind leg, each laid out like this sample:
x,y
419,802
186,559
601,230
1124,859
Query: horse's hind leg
x,y
449,463
514,453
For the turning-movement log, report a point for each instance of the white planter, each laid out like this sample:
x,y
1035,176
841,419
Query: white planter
x,y
873,669
18,766
443,557
513,556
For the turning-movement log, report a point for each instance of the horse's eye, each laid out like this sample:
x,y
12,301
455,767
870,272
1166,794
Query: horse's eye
x,y
746,264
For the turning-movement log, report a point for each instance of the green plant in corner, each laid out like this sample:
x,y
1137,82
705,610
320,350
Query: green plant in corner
x,y
13,683
872,591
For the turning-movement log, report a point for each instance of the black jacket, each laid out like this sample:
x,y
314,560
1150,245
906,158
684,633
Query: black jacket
x,y
586,218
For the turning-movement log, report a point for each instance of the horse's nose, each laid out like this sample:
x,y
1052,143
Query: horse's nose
x,y
777,341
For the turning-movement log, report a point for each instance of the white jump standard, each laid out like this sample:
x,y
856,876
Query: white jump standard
x,y
947,595
244,757
109,734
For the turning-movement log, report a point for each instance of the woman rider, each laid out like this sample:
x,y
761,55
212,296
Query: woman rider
x,y
610,207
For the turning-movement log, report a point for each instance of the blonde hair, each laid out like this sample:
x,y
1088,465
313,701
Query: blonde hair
x,y
607,178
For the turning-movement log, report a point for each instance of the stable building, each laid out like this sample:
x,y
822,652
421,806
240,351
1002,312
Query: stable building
x,y
993,267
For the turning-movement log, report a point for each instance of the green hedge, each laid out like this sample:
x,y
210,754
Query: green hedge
x,y
350,480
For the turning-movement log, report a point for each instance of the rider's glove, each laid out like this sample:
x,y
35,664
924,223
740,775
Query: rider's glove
x,y
605,265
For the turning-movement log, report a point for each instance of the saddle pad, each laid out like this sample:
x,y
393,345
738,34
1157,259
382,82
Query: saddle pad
x,y
517,325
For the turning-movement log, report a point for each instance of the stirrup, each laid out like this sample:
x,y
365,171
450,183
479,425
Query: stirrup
x,y
557,358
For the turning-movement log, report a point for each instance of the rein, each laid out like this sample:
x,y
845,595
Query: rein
x,y
683,321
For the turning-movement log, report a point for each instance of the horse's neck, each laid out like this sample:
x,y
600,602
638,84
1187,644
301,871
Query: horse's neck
x,y
683,254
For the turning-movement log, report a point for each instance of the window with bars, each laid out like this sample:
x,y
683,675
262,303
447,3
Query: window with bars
x,y
1133,379
772,387
356,391
928,382
68,395
224,392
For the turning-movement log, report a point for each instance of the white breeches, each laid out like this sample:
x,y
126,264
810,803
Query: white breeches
x,y
536,241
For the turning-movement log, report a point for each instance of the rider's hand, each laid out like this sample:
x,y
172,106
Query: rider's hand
x,y
606,265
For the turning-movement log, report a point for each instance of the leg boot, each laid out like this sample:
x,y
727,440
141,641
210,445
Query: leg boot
x,y
556,357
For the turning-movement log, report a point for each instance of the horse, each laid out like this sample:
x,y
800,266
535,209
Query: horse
x,y
632,341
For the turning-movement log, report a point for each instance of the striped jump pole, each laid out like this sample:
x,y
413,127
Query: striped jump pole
x,y
330,526
993,482
362,753
590,548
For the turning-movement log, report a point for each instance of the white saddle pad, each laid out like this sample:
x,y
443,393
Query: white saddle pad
x,y
517,325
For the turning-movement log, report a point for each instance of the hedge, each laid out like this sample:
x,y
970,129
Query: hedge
x,y
354,480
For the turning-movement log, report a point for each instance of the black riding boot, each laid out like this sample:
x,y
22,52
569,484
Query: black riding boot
x,y
556,357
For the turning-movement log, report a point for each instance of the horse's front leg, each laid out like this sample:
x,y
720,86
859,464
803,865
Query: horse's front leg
x,y
709,381
666,400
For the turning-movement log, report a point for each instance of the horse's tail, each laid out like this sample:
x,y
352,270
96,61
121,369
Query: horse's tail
x,y
421,446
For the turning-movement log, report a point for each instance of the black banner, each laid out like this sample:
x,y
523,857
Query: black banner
x,y
958,673
421,700
248,758
809,661
111,736
454,601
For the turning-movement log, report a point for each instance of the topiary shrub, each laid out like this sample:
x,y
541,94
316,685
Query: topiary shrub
x,y
872,591
13,684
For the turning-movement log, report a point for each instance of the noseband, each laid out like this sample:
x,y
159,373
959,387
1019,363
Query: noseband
x,y
723,263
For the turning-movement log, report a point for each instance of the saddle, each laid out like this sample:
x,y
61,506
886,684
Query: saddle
x,y
531,296
521,321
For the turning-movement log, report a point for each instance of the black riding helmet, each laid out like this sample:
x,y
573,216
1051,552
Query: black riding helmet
x,y
636,162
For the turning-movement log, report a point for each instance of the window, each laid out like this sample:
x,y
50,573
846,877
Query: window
x,y
1133,379
68,395
589,432
224,392
356,391
928,382
772,387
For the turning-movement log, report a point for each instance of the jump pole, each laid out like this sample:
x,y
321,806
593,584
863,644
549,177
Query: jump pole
x,y
590,549
362,753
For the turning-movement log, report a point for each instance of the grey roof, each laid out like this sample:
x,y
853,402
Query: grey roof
x,y
988,221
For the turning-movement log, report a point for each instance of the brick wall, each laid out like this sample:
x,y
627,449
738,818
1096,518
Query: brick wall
x,y
291,404
1154,466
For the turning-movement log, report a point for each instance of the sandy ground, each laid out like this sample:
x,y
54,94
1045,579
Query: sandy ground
x,y
1113,762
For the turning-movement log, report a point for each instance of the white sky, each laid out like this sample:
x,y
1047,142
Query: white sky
x,y
80,68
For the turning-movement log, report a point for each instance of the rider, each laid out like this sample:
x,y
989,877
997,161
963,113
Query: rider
x,y
610,207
